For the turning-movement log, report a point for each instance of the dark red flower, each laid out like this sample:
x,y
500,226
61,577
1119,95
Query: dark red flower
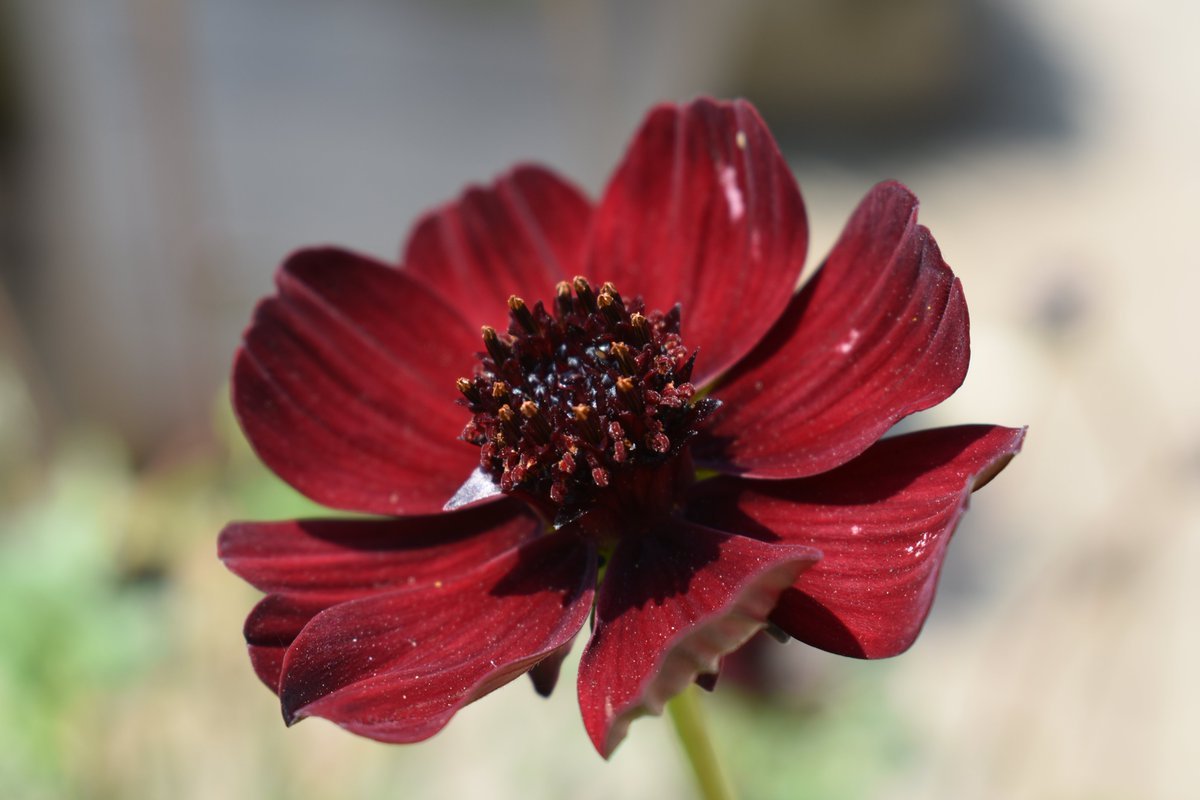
x,y
685,458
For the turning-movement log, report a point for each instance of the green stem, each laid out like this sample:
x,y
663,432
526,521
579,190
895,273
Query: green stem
x,y
685,712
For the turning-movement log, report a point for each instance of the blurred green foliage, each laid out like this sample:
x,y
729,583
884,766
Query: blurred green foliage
x,y
844,747
90,550
72,627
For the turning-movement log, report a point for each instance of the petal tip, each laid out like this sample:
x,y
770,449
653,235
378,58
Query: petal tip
x,y
612,698
991,470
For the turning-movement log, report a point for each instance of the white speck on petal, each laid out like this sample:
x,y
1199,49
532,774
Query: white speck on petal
x,y
918,549
733,194
740,139
856,529
848,345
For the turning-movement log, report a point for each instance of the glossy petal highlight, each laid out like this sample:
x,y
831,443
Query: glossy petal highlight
x,y
881,522
704,212
878,333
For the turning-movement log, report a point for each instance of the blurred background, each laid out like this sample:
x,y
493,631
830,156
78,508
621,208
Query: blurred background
x,y
159,157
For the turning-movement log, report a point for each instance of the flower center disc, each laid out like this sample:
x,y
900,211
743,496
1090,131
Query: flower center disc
x,y
569,405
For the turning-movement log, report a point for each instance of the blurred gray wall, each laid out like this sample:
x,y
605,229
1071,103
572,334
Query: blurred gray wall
x,y
176,151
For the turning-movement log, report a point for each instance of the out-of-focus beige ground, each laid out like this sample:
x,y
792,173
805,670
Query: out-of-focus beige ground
x,y
1060,661
1077,679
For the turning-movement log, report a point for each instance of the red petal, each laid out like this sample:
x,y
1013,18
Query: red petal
x,y
345,385
274,624
882,523
367,556
311,565
878,333
397,666
671,604
519,236
704,212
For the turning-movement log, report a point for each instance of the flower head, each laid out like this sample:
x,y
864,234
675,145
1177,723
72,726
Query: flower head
x,y
622,412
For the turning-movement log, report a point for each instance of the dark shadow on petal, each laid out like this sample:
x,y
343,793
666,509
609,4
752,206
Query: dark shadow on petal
x,y
708,448
557,562
825,630
656,566
382,534
863,481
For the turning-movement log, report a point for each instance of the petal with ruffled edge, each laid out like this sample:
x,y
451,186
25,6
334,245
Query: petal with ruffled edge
x,y
521,235
882,523
672,602
310,565
397,666
345,385
704,211
878,333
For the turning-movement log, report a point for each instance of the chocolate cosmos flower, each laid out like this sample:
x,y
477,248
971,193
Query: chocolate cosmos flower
x,y
680,447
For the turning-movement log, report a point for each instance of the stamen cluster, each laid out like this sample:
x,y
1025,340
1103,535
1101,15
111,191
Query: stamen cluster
x,y
564,403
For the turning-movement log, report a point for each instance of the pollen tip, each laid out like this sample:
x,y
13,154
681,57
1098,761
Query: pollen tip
x,y
498,350
631,398
529,409
624,357
506,413
611,290
641,328
584,289
522,314
586,422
